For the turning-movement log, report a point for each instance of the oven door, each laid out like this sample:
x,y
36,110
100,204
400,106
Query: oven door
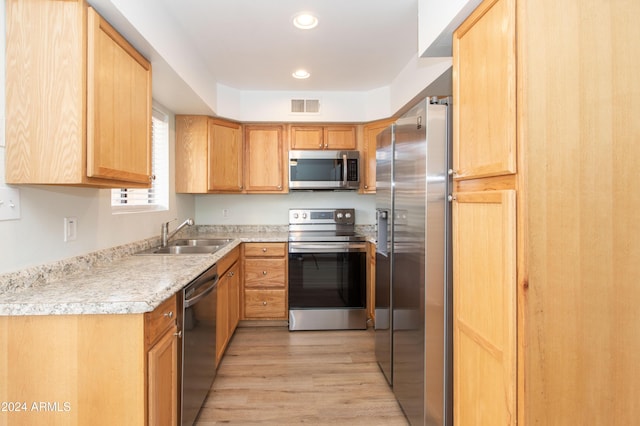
x,y
327,285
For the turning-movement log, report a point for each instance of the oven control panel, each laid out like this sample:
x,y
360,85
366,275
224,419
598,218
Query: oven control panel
x,y
322,216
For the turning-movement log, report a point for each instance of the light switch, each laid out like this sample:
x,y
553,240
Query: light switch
x,y
70,228
9,203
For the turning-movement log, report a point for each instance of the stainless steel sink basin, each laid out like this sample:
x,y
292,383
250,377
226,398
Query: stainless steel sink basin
x,y
200,242
184,246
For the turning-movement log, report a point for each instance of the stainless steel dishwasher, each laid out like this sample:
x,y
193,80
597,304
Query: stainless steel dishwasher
x,y
198,342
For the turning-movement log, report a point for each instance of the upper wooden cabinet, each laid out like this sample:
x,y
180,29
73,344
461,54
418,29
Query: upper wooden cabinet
x,y
209,155
484,134
78,99
265,159
368,158
323,137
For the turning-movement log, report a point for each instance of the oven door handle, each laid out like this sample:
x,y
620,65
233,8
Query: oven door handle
x,y
307,247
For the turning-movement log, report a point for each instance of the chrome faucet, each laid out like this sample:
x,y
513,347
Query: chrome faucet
x,y
165,235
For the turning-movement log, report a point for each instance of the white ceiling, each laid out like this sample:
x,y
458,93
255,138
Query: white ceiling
x,y
252,44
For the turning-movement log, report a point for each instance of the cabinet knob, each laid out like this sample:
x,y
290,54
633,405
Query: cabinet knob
x,y
264,303
264,249
452,172
231,274
264,272
169,314
319,145
178,334
366,187
326,145
152,178
279,187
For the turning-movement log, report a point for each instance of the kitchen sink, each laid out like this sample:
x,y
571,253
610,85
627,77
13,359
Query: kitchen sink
x,y
201,242
189,246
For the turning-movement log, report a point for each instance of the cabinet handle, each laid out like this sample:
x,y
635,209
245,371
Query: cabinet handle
x,y
169,314
178,334
264,272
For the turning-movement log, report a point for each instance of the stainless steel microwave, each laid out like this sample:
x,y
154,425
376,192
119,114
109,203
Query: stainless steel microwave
x,y
324,169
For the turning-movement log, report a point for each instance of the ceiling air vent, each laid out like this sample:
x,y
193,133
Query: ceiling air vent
x,y
309,106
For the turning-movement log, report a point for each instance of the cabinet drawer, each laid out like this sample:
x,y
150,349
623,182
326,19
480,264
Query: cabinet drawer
x,y
265,304
225,263
264,273
265,249
161,319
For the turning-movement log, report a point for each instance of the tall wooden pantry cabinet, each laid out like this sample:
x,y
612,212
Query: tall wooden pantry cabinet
x,y
546,248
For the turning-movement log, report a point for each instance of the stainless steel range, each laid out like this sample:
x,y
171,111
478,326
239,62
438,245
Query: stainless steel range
x,y
327,271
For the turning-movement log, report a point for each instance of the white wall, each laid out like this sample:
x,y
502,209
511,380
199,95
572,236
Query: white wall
x,y
438,20
269,209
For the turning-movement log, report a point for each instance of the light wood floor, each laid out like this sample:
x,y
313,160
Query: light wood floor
x,y
272,376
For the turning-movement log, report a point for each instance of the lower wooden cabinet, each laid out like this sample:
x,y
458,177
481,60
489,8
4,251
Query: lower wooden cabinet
x,y
91,369
228,308
265,281
162,377
162,341
484,307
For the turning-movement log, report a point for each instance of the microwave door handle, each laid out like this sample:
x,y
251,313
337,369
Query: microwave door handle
x,y
344,170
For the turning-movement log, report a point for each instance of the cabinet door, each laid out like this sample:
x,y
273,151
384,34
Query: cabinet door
x,y
368,172
118,106
225,156
264,156
222,318
307,137
484,308
191,153
484,89
233,276
163,380
340,137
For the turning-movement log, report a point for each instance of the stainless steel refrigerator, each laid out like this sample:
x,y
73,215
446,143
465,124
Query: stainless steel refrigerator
x,y
413,262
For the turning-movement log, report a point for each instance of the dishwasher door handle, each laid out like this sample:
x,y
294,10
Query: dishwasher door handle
x,y
204,289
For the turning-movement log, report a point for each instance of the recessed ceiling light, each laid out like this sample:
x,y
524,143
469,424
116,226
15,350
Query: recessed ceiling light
x,y
301,74
305,21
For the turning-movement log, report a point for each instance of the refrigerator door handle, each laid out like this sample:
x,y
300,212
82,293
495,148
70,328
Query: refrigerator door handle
x,y
382,218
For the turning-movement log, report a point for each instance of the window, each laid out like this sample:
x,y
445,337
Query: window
x,y
125,200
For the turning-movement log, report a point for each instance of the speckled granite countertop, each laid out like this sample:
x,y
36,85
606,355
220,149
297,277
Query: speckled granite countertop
x,y
120,284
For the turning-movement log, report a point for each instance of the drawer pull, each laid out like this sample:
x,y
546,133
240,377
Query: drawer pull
x,y
169,314
264,272
264,249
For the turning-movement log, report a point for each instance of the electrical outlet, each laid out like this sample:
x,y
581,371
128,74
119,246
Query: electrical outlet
x,y
225,212
70,228
9,203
